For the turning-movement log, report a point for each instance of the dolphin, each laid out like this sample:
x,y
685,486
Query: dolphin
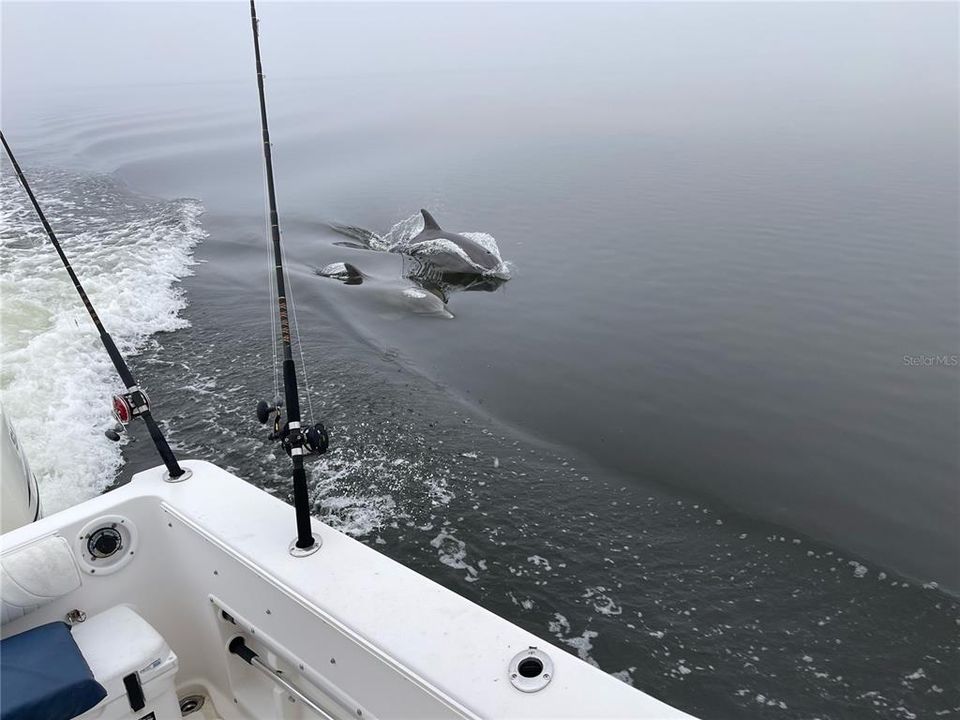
x,y
438,253
472,258
435,263
395,294
345,272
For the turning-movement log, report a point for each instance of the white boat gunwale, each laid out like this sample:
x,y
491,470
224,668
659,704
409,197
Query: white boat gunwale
x,y
433,652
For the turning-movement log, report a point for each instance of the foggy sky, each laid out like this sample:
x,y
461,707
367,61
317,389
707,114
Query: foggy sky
x,y
49,46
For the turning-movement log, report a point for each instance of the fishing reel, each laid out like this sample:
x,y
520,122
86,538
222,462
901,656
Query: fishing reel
x,y
126,407
314,438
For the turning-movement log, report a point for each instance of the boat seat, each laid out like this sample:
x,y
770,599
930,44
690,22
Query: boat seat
x,y
44,676
113,665
35,574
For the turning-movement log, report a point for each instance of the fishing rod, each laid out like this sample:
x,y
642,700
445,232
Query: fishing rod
x,y
298,442
134,402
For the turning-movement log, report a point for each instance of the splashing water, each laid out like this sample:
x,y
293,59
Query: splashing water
x,y
398,238
57,380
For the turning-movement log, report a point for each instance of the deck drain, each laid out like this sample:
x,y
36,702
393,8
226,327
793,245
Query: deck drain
x,y
190,704
530,670
530,667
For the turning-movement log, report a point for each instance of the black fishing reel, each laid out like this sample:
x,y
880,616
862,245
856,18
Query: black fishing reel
x,y
314,438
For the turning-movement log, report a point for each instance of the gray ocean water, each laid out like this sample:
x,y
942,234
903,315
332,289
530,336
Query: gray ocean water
x,y
705,436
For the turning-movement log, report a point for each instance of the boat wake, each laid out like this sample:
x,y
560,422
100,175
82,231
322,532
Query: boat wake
x,y
361,492
56,383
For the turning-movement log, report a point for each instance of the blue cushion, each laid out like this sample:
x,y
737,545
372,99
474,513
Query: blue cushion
x,y
43,676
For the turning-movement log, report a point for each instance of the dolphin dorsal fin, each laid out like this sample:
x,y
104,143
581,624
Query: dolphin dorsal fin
x,y
428,222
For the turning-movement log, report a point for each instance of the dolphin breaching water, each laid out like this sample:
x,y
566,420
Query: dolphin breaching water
x,y
436,263
450,252
440,251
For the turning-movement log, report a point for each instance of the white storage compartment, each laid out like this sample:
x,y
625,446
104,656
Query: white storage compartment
x,y
119,644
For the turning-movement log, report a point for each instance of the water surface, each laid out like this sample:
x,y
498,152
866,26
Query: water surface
x,y
694,439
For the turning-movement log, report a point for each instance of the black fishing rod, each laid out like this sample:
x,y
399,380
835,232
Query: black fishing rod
x,y
134,403
296,441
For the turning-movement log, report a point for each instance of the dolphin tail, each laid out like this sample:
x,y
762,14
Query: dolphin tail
x,y
428,222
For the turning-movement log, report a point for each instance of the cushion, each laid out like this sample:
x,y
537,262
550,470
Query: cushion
x,y
35,574
43,676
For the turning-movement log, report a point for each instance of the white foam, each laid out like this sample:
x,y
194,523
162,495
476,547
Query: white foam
x,y
401,233
540,561
453,552
334,269
582,644
357,516
602,603
626,675
859,570
351,512
360,493
57,379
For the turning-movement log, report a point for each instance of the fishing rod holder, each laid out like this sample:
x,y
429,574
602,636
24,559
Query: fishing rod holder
x,y
314,438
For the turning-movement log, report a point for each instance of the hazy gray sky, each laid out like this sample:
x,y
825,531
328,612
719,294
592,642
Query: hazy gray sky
x,y
53,44
117,42
743,60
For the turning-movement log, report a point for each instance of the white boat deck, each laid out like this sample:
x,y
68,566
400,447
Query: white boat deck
x,y
360,635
